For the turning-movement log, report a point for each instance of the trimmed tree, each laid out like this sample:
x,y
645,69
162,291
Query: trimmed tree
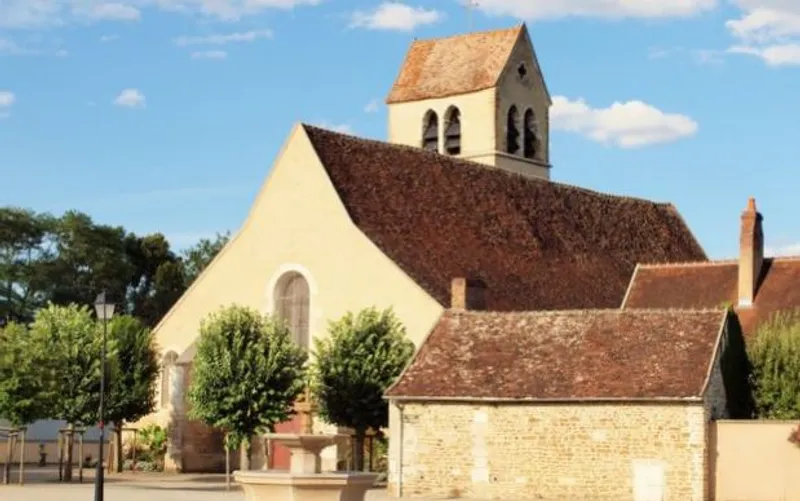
x,y
23,392
132,385
71,340
354,366
775,358
247,373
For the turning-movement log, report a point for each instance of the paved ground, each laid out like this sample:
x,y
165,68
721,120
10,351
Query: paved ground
x,y
43,485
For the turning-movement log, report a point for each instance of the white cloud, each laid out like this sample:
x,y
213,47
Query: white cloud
x,y
395,16
342,128
9,47
62,53
631,124
130,98
43,13
109,38
783,250
551,9
773,55
7,99
769,30
209,54
112,11
373,106
247,36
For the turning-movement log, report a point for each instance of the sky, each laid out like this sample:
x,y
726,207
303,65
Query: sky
x,y
166,115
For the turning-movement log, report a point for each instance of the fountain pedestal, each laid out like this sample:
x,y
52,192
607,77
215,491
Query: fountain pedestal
x,y
305,481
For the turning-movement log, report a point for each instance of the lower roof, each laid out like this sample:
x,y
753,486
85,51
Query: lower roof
x,y
714,284
618,355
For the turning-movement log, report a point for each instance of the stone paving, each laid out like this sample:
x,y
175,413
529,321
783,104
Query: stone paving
x,y
43,485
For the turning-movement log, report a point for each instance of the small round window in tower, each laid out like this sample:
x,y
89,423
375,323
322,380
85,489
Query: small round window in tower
x,y
522,71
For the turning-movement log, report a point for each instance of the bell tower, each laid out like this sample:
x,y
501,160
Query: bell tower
x,y
478,96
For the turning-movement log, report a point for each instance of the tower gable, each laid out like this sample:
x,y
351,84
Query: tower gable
x,y
453,96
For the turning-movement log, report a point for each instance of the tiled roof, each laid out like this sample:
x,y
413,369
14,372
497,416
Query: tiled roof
x,y
712,284
535,244
572,355
454,65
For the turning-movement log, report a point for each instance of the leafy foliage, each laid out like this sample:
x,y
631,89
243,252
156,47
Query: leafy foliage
x,y
22,388
68,259
355,365
247,373
132,385
71,342
775,355
197,257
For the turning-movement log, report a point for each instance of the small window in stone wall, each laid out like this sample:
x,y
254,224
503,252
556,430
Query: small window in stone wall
x,y
430,131
292,303
452,134
530,135
167,374
512,130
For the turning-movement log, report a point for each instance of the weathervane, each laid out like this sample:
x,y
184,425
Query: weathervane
x,y
470,4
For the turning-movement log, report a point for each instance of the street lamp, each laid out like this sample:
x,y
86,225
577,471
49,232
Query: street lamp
x,y
105,310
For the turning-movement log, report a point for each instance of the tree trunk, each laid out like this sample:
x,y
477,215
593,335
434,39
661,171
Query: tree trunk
x,y
358,454
245,455
68,466
9,453
118,452
227,463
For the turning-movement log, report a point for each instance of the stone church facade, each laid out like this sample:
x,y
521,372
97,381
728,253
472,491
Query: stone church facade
x,y
462,188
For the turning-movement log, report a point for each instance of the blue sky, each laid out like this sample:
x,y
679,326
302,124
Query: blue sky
x,y
166,115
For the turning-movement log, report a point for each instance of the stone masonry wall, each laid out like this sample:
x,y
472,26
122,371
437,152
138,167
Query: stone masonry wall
x,y
551,452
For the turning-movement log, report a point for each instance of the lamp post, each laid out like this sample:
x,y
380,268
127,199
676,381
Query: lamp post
x,y
105,310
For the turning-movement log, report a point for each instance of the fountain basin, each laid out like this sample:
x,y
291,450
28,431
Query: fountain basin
x,y
305,449
280,486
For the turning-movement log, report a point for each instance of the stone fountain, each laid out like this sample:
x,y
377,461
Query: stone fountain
x,y
305,479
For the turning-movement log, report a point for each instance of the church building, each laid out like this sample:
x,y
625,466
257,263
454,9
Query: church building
x,y
461,188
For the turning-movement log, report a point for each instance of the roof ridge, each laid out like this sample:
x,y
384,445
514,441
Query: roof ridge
x,y
689,264
637,311
784,258
485,167
469,33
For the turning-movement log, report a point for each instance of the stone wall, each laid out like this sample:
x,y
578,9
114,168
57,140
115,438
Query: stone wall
x,y
559,452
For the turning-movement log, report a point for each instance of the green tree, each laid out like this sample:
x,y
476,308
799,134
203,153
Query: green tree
x,y
775,358
69,337
158,279
198,257
132,385
353,368
246,376
23,390
26,253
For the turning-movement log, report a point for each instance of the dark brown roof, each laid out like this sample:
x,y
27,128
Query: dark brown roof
x,y
454,65
573,355
712,284
535,244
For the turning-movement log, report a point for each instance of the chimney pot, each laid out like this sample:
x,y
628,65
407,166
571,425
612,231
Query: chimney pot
x,y
467,294
751,253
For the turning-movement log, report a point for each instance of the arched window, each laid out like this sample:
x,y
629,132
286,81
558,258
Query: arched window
x,y
512,130
529,134
167,375
430,131
452,134
292,305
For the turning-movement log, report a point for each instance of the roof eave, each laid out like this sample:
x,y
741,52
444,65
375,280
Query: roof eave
x,y
564,400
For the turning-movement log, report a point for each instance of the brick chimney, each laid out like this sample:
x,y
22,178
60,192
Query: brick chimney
x,y
467,294
751,253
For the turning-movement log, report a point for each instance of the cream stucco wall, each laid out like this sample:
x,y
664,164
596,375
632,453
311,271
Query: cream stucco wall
x,y
406,121
297,222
